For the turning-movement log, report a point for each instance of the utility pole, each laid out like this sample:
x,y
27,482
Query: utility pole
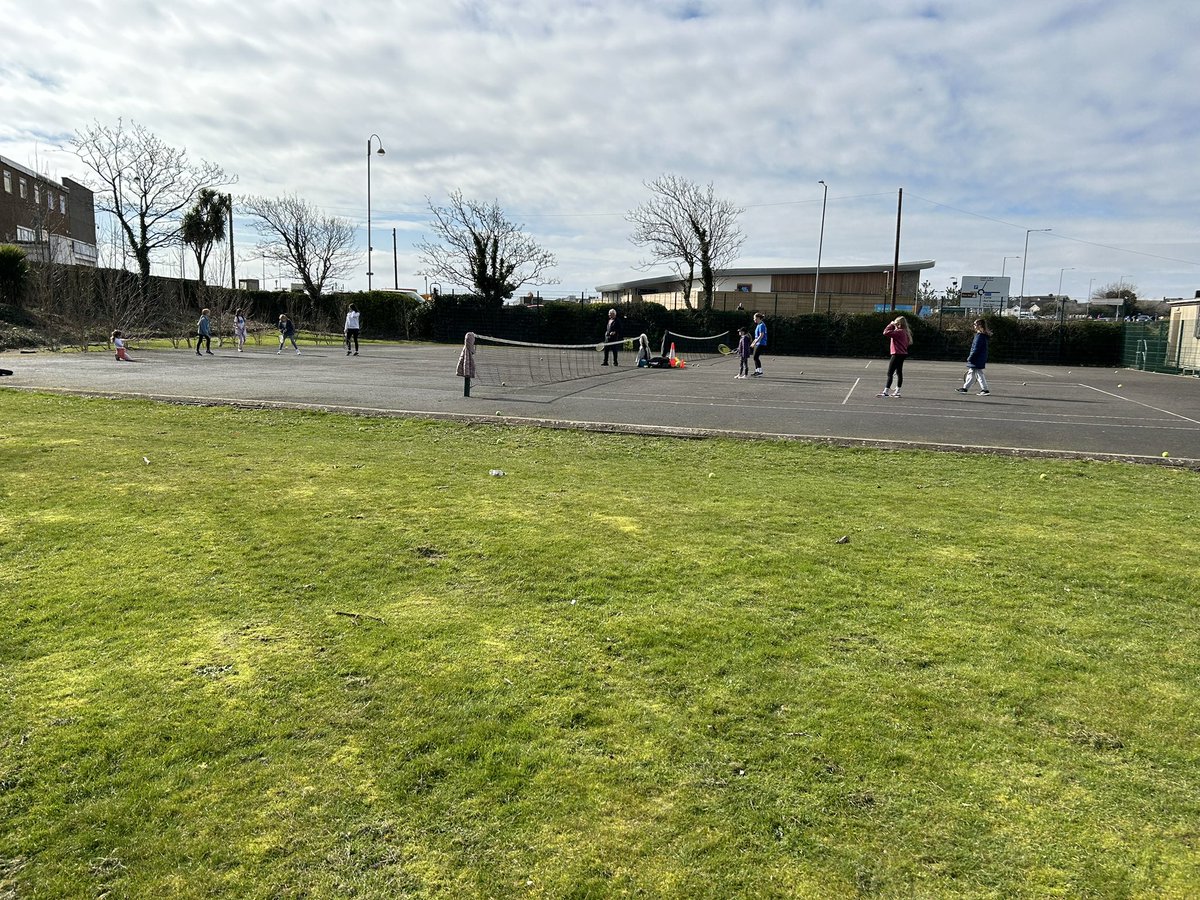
x,y
896,261
232,258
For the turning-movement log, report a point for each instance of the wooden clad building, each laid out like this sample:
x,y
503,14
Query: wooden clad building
x,y
783,291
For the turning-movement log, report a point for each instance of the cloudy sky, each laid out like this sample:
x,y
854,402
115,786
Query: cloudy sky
x,y
1082,116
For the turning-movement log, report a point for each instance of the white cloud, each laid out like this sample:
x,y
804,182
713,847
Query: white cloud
x,y
994,118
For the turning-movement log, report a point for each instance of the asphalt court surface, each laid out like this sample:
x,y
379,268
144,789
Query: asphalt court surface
x,y
1041,409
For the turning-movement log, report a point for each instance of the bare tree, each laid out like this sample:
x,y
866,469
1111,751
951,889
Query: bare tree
x,y
144,184
299,237
480,248
688,227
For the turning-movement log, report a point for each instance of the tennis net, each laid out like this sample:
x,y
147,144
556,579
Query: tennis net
x,y
691,348
506,363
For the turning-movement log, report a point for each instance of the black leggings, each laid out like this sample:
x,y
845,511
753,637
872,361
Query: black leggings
x,y
896,367
758,352
204,339
351,335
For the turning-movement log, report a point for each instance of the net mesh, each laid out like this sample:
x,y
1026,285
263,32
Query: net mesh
x,y
521,364
694,349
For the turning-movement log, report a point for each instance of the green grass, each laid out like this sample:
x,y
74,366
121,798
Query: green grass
x,y
630,666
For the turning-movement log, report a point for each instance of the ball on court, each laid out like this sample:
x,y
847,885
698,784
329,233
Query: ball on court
x,y
1165,453
1023,383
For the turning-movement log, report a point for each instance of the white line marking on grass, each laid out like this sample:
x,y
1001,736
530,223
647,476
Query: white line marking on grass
x,y
1140,403
851,391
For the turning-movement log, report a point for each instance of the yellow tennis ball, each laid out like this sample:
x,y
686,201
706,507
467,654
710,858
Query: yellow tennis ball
x,y
1165,453
1042,476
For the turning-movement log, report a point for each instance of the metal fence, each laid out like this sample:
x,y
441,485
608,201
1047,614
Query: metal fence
x,y
1157,347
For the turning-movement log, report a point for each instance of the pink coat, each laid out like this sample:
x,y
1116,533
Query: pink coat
x,y
900,339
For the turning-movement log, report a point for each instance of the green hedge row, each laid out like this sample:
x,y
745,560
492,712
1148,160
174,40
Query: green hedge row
x,y
1081,342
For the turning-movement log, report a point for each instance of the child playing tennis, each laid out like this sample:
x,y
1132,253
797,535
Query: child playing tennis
x,y
759,344
118,340
743,352
901,340
977,359
287,331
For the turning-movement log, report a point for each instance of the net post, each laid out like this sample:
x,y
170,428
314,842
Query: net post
x,y
466,386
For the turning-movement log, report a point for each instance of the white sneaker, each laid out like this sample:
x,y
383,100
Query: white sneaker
x,y
883,393
895,392
297,352
280,350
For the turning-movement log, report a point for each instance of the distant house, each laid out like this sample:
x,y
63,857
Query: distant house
x,y
785,290
50,221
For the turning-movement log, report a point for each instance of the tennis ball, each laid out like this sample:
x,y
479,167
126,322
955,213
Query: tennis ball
x,y
1042,476
1120,385
1023,383
1165,453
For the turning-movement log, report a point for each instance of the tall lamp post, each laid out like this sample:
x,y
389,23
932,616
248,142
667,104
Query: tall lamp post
x,y
1028,231
1062,306
1003,263
373,137
820,243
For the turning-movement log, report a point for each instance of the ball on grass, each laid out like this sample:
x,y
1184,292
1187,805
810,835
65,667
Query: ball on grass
x,y
1042,476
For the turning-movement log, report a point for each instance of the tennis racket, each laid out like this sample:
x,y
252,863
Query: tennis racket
x,y
725,349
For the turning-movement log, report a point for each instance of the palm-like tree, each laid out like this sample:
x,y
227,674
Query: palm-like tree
x,y
204,225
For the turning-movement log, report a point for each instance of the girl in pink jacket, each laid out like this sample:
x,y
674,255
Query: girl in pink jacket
x,y
901,335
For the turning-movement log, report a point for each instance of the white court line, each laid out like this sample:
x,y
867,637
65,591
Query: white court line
x,y
851,391
1035,372
1140,403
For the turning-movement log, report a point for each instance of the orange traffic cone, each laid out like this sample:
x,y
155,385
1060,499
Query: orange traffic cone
x,y
671,355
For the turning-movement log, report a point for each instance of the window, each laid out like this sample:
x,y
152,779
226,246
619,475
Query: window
x,y
50,201
24,234
62,204
8,182
744,288
37,193
24,186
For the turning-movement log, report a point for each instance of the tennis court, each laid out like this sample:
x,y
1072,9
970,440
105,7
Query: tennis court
x,y
1033,409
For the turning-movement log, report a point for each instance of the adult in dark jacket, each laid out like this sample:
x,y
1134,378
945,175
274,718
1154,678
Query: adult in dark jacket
x,y
612,332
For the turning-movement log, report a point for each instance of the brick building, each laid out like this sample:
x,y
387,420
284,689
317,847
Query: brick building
x,y
50,221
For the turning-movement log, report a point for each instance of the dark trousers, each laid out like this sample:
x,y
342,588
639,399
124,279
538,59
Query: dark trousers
x,y
613,351
896,368
351,336
758,352
203,339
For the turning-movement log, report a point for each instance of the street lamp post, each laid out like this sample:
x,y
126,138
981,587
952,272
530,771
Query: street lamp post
x,y
373,137
1028,231
820,243
1003,263
1062,306
1060,276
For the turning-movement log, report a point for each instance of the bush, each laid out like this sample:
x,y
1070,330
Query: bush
x,y
14,274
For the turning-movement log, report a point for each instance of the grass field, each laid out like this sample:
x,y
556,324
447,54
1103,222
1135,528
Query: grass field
x,y
277,654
